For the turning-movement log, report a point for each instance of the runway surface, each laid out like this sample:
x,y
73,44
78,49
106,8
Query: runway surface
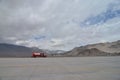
x,y
72,68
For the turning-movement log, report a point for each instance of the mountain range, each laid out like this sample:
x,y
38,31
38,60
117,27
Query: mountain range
x,y
10,50
99,49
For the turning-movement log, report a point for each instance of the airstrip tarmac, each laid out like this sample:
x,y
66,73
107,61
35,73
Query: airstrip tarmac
x,y
64,68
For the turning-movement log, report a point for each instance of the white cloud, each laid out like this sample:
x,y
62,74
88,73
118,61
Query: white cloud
x,y
25,22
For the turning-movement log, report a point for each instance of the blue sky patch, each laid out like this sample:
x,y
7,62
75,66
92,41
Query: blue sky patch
x,y
109,14
39,37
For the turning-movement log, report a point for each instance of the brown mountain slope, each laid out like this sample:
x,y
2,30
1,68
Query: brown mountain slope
x,y
100,49
109,47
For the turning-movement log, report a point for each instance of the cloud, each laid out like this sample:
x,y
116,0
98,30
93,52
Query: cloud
x,y
56,24
112,11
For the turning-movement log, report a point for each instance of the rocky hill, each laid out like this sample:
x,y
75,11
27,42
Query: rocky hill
x,y
100,49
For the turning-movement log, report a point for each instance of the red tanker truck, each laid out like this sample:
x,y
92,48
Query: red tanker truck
x,y
38,54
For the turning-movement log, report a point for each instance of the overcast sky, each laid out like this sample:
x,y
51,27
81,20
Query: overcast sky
x,y
59,24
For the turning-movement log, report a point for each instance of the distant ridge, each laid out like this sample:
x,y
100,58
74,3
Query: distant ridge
x,y
10,50
99,49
